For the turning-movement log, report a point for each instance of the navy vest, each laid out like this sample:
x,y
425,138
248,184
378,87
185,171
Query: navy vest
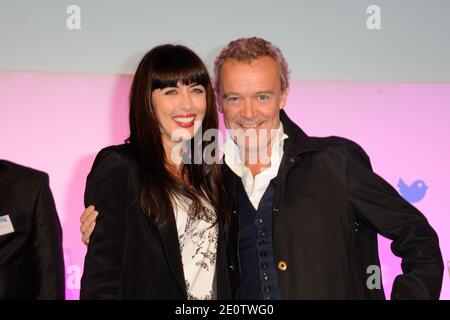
x,y
259,278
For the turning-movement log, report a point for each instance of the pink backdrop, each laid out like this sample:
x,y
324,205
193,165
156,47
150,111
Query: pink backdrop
x,y
58,122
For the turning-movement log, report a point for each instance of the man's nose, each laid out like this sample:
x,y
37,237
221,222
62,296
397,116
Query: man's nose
x,y
248,110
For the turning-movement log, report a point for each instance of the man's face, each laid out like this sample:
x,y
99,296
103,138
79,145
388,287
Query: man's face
x,y
251,98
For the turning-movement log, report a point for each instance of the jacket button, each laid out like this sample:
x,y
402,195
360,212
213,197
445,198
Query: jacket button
x,y
292,160
276,210
259,221
231,267
282,265
234,211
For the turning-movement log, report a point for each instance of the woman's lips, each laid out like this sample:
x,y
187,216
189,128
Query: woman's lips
x,y
184,121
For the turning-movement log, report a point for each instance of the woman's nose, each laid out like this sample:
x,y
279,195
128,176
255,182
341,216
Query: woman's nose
x,y
185,99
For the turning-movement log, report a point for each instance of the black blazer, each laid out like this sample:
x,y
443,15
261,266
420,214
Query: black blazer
x,y
130,256
31,258
329,207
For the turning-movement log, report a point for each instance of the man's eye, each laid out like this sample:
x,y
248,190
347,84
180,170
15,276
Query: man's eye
x,y
263,97
232,99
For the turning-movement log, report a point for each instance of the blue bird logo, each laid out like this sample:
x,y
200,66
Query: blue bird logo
x,y
413,193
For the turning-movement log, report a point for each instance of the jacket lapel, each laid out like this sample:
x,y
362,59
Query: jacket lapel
x,y
169,238
230,182
298,141
297,144
222,274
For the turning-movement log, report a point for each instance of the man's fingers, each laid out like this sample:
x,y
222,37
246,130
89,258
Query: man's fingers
x,y
86,213
89,220
90,230
85,240
87,234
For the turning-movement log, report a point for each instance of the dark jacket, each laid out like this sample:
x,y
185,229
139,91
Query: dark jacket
x,y
130,256
31,257
329,207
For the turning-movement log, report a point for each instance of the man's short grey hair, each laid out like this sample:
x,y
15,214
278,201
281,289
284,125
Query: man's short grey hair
x,y
247,50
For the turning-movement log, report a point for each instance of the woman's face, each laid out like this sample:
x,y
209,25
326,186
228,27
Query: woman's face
x,y
179,110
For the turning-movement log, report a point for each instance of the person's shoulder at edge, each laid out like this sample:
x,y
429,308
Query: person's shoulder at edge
x,y
20,173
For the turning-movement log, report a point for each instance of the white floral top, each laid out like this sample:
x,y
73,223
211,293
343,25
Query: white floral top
x,y
198,246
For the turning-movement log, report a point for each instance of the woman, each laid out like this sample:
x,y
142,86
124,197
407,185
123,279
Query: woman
x,y
159,233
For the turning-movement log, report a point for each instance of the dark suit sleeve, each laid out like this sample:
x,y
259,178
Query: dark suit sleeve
x,y
47,252
106,188
413,239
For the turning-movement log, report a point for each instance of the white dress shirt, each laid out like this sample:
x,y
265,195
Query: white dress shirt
x,y
255,186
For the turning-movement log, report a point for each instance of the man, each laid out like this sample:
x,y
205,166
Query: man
x,y
304,224
31,256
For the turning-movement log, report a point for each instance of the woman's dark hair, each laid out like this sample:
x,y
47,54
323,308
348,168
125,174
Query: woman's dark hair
x,y
165,66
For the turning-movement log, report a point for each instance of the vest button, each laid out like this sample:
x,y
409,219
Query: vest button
x,y
282,265
276,210
259,221
292,160
231,267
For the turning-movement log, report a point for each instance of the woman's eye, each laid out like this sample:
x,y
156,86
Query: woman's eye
x,y
170,92
198,90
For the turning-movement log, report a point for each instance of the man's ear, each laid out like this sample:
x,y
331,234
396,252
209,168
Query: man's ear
x,y
283,99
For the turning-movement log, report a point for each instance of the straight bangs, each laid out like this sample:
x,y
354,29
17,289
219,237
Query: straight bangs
x,y
176,66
